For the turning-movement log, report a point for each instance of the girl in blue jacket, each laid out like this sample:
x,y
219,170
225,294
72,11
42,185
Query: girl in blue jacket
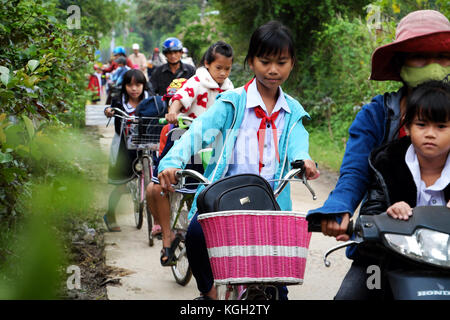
x,y
253,129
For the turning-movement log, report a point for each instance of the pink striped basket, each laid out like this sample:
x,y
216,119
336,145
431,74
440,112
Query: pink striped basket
x,y
256,246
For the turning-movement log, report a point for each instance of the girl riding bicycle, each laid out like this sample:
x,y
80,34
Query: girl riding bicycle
x,y
134,90
253,129
194,97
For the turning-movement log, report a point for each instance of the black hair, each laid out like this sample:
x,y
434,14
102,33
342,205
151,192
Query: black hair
x,y
138,77
429,101
269,39
219,47
121,60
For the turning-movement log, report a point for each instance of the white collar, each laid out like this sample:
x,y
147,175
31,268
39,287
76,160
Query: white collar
x,y
207,80
128,107
254,99
413,164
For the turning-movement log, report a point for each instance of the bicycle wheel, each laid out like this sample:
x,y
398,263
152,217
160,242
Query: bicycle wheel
x,y
146,180
135,190
181,270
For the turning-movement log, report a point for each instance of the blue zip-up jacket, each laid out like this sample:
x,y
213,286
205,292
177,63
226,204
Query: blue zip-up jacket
x,y
219,126
376,123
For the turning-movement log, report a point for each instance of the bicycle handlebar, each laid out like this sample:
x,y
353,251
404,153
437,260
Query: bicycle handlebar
x,y
181,174
181,121
298,168
123,115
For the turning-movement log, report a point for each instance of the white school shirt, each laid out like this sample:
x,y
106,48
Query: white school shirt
x,y
434,194
245,157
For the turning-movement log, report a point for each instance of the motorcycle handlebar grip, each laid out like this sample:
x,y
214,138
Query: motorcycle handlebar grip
x,y
350,228
315,226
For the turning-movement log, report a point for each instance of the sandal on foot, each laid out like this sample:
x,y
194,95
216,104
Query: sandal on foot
x,y
112,227
166,253
169,253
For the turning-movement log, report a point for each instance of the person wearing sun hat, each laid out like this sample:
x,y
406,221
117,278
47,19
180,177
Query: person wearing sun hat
x,y
419,53
138,59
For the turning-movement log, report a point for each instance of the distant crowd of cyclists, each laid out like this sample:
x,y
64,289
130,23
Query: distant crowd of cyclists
x,y
107,79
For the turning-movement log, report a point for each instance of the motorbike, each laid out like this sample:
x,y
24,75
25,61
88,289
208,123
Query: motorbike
x,y
414,254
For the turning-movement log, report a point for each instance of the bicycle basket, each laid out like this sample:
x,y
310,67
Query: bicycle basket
x,y
256,246
144,133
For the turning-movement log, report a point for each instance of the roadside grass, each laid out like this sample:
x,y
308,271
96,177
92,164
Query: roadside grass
x,y
326,152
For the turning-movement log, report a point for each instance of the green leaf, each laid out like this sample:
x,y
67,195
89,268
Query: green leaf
x,y
29,82
4,75
29,125
5,157
32,65
4,70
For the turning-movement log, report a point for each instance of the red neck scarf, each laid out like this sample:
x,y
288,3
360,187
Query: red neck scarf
x,y
261,134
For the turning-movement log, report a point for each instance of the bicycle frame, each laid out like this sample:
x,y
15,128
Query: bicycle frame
x,y
145,144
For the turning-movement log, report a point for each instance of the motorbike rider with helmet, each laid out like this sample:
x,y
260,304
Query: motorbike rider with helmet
x,y
163,75
117,52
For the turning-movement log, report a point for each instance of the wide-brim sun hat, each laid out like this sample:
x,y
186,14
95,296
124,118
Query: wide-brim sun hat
x,y
419,31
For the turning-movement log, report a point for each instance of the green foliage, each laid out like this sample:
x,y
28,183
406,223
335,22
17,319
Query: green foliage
x,y
43,63
98,17
44,186
333,79
301,16
160,18
197,32
397,9
43,69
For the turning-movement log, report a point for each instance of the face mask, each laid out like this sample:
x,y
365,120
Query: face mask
x,y
413,76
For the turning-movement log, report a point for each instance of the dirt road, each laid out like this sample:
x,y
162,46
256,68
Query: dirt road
x,y
147,280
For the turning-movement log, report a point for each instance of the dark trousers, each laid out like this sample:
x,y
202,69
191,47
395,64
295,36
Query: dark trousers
x,y
197,255
354,286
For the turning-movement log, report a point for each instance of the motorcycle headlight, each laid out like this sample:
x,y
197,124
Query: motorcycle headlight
x,y
423,245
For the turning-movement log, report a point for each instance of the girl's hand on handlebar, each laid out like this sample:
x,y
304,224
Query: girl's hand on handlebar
x,y
172,117
311,171
109,112
399,210
330,227
167,178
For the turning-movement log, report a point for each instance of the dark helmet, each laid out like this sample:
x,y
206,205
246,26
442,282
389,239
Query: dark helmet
x,y
121,60
172,44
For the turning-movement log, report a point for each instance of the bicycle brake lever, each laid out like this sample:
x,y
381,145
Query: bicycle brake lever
x,y
305,182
